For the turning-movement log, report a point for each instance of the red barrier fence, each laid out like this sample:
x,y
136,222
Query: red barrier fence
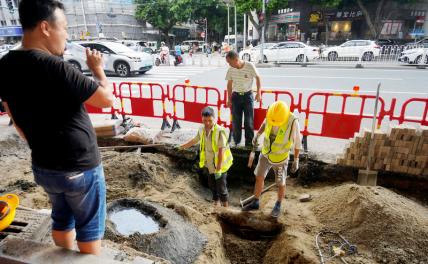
x,y
402,117
341,124
187,97
187,101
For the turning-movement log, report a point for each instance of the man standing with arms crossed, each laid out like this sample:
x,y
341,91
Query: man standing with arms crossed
x,y
240,78
48,110
281,129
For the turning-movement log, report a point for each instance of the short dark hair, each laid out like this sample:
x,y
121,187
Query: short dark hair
x,y
232,55
207,112
32,12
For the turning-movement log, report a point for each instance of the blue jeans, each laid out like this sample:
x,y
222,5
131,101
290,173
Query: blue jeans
x,y
243,104
78,200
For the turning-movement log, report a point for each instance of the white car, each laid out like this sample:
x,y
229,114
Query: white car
x,y
414,56
367,50
118,58
253,54
290,51
6,48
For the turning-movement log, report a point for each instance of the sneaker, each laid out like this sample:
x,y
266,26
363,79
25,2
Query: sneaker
x,y
254,205
276,211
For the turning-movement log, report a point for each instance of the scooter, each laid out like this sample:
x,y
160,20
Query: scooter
x,y
178,59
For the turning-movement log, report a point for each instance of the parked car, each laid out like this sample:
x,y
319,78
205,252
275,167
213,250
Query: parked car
x,y
253,54
414,56
367,50
7,47
75,54
120,59
291,51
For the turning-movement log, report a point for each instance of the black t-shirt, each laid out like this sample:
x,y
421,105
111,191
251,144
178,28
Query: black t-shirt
x,y
45,96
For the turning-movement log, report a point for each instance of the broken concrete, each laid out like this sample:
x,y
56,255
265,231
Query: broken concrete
x,y
18,250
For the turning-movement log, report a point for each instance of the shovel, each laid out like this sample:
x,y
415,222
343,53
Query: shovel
x,y
368,177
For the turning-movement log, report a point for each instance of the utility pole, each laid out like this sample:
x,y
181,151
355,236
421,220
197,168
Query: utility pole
x,y
236,32
245,31
263,32
228,25
84,17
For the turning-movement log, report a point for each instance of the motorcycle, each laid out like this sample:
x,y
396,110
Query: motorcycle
x,y
178,59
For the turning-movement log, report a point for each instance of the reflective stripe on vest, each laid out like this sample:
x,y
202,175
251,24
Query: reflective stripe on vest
x,y
279,150
227,154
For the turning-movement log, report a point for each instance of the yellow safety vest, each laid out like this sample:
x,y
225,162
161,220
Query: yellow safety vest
x,y
279,150
227,154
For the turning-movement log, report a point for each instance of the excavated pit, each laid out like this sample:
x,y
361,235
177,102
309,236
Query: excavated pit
x,y
176,239
167,186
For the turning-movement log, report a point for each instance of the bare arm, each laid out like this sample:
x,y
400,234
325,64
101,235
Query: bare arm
x,y
103,96
261,129
258,83
190,143
18,129
229,93
219,160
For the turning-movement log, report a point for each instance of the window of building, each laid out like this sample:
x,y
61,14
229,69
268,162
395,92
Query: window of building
x,y
13,22
3,23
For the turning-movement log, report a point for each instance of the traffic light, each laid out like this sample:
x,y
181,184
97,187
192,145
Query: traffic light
x,y
10,6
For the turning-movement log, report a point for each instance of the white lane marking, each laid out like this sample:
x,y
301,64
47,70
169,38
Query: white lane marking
x,y
331,77
338,90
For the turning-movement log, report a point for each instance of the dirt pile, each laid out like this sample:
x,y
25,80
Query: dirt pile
x,y
391,227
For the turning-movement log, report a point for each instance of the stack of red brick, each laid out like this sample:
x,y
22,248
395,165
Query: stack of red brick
x,y
404,149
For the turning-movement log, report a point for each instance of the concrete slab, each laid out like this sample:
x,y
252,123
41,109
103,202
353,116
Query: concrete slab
x,y
17,250
28,225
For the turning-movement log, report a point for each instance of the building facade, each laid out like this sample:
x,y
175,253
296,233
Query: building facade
x,y
10,28
301,20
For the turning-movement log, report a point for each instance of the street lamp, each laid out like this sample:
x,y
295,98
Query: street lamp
x,y
263,30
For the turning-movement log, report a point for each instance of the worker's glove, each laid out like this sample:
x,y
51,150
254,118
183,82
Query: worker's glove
x,y
217,175
295,166
256,141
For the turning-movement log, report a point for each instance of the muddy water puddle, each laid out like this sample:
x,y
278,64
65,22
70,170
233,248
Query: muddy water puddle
x,y
130,221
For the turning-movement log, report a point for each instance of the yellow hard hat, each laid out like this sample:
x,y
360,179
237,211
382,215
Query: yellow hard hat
x,y
278,113
8,205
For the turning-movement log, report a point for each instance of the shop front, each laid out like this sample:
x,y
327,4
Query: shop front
x,y
284,27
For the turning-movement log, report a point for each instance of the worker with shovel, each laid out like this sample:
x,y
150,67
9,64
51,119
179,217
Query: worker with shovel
x,y
281,129
215,155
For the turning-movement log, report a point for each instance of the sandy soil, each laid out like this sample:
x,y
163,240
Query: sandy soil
x,y
386,227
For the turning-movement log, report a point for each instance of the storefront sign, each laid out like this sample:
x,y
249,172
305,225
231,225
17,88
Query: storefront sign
x,y
349,14
10,31
293,17
315,17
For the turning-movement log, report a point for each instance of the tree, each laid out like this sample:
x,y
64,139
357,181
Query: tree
x,y
215,11
375,12
325,5
248,6
164,14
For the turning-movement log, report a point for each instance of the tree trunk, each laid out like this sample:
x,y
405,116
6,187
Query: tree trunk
x,y
373,25
257,25
325,20
165,32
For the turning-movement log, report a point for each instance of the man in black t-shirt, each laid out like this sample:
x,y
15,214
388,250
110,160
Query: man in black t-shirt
x,y
45,98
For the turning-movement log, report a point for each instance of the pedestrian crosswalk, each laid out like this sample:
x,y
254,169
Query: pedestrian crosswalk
x,y
167,74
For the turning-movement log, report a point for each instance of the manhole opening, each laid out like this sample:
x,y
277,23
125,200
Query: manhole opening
x,y
128,221
12,230
16,223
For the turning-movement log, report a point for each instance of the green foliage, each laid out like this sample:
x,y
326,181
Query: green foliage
x,y
164,14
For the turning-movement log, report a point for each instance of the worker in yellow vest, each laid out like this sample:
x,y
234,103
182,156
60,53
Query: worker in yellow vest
x,y
281,129
215,155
